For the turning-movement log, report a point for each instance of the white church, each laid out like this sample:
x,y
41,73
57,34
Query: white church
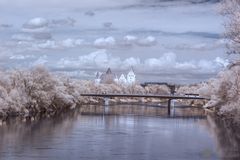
x,y
109,78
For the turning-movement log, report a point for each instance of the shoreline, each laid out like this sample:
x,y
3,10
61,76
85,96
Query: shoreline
x,y
119,109
37,91
99,102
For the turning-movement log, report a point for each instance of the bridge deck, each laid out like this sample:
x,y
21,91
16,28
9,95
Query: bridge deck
x,y
145,96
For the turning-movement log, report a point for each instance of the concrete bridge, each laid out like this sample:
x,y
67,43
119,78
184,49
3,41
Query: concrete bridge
x,y
168,97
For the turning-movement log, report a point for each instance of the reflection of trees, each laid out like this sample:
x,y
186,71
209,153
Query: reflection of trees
x,y
40,134
227,137
30,132
141,110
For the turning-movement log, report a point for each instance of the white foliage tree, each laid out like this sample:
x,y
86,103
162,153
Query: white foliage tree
x,y
231,10
28,92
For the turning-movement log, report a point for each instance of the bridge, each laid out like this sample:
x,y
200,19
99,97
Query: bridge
x,y
168,97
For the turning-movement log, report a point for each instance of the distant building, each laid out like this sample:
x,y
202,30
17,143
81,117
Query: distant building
x,y
131,77
116,80
97,80
122,79
109,78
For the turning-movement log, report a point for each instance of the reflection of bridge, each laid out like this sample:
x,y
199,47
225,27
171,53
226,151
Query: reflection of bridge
x,y
168,97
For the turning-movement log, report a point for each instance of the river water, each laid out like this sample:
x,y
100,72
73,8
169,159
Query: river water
x,y
118,132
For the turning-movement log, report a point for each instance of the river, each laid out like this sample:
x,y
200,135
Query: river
x,y
118,132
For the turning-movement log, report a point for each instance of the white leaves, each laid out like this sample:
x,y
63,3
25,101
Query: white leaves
x,y
231,9
223,91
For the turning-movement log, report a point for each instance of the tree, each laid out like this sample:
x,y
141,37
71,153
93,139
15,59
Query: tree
x,y
231,10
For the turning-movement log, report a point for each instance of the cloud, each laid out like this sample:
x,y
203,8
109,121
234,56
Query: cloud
x,y
42,36
89,13
108,25
39,28
40,61
95,59
62,44
104,42
222,62
131,62
31,5
148,41
69,43
43,39
167,60
22,37
143,42
165,63
202,45
5,26
63,22
32,36
130,40
21,57
49,44
36,23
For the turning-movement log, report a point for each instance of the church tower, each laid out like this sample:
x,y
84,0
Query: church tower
x,y
131,77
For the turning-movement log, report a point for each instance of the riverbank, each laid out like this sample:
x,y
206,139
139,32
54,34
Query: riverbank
x,y
36,91
224,93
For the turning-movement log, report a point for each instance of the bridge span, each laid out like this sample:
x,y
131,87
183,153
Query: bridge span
x,y
168,97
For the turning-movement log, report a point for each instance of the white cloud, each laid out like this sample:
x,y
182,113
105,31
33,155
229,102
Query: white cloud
x,y
30,4
131,62
167,62
69,43
130,40
36,23
207,66
147,41
44,40
186,65
199,46
63,44
40,61
144,42
21,57
49,44
95,59
105,42
222,62
22,37
79,42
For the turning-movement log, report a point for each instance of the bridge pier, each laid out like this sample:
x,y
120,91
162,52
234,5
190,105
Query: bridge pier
x,y
173,108
169,106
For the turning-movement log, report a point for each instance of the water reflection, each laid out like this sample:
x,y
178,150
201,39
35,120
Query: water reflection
x,y
140,110
96,132
227,137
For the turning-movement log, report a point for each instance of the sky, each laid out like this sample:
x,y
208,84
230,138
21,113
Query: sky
x,y
66,3
176,41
